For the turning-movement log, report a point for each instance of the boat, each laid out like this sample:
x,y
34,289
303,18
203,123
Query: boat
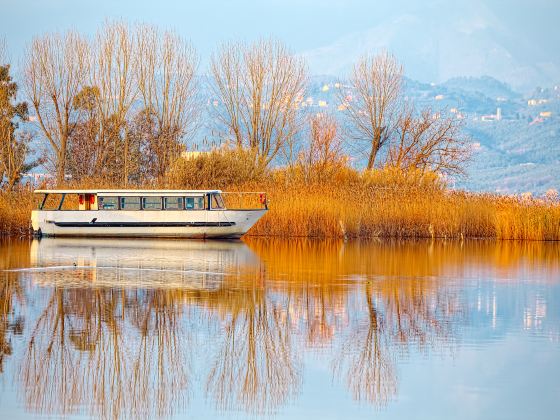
x,y
145,213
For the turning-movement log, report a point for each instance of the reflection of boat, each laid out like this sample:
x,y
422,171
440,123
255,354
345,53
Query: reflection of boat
x,y
137,262
142,213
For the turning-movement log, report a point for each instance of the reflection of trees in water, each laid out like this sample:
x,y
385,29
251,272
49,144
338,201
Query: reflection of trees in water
x,y
117,351
382,320
123,351
114,351
12,297
365,357
11,322
255,367
400,315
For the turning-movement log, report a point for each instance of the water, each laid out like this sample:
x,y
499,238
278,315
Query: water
x,y
284,329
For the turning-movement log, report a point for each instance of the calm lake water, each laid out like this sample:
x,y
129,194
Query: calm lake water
x,y
285,329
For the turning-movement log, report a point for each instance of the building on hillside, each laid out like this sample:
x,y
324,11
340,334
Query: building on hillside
x,y
493,117
537,102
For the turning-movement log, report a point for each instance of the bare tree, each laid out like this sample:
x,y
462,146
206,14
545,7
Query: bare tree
x,y
166,66
83,147
258,87
373,103
56,67
113,75
324,152
428,142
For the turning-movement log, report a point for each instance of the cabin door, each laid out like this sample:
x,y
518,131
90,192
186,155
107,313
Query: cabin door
x,y
86,201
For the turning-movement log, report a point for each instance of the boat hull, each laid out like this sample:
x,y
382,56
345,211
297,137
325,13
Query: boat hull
x,y
228,224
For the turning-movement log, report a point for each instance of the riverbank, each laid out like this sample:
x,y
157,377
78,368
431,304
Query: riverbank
x,y
360,207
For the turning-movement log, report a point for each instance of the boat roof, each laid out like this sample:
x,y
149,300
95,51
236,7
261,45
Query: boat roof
x,y
123,192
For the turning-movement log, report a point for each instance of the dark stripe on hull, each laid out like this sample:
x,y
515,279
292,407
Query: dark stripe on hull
x,y
205,235
144,224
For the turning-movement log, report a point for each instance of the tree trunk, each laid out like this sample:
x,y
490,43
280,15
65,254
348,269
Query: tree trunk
x,y
125,168
61,166
373,154
12,180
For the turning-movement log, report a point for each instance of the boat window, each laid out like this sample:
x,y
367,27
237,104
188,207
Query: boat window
x,y
151,203
130,203
41,200
70,202
107,203
173,203
194,203
52,202
217,201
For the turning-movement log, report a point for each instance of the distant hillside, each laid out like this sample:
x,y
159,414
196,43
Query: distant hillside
x,y
514,156
445,40
485,85
518,153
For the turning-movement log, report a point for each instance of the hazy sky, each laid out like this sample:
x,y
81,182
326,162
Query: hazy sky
x,y
302,24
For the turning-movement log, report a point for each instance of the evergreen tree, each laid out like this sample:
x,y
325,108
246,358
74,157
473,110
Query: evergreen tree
x,y
14,144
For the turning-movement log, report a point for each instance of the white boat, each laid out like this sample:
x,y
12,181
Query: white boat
x,y
143,213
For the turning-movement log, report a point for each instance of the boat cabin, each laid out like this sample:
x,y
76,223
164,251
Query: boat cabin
x,y
146,213
132,200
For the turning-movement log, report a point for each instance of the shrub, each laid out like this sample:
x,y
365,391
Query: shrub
x,y
220,168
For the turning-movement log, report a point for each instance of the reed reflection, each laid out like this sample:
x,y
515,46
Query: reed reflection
x,y
132,327
12,318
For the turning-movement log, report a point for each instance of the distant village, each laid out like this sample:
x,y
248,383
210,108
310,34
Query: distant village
x,y
541,105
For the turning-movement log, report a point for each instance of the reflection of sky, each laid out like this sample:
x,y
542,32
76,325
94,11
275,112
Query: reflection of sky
x,y
496,358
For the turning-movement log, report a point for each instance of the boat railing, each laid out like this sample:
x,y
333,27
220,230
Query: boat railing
x,y
245,200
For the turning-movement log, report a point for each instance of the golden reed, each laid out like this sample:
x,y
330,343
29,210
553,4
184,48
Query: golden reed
x,y
349,204
355,212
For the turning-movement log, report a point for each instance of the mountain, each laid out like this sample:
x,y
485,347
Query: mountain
x,y
486,85
441,42
519,152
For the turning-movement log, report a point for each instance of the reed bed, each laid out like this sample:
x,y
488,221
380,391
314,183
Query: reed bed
x,y
350,204
15,212
366,212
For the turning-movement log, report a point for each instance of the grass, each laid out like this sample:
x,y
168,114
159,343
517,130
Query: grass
x,y
15,212
365,212
350,204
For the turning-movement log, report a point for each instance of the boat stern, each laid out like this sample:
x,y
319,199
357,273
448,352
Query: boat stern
x,y
35,221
